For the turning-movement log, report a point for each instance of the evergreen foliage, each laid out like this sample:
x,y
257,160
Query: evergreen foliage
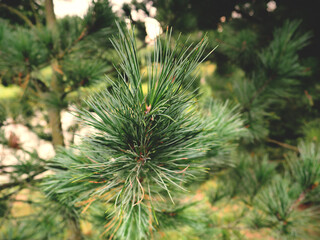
x,y
271,75
143,147
235,155
49,61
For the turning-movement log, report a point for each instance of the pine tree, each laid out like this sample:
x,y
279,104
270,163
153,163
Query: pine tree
x,y
48,59
272,178
273,74
144,147
154,139
64,49
278,196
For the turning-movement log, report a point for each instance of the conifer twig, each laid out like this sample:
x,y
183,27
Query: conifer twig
x,y
285,145
18,13
21,182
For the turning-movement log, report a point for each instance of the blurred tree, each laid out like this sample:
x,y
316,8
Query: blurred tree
x,y
22,12
272,76
186,15
48,58
67,45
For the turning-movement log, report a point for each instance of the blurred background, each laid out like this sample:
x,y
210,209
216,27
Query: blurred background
x,y
53,54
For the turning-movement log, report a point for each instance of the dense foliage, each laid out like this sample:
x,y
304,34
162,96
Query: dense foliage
x,y
181,142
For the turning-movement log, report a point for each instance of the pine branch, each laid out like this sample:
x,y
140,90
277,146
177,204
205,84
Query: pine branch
x,y
35,14
82,35
24,181
260,90
18,13
285,145
6,166
6,197
144,146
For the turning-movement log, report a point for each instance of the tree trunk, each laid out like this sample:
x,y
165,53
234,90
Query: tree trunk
x,y
54,111
55,125
54,114
50,16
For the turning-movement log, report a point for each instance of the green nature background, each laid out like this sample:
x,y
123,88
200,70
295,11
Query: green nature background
x,y
252,107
